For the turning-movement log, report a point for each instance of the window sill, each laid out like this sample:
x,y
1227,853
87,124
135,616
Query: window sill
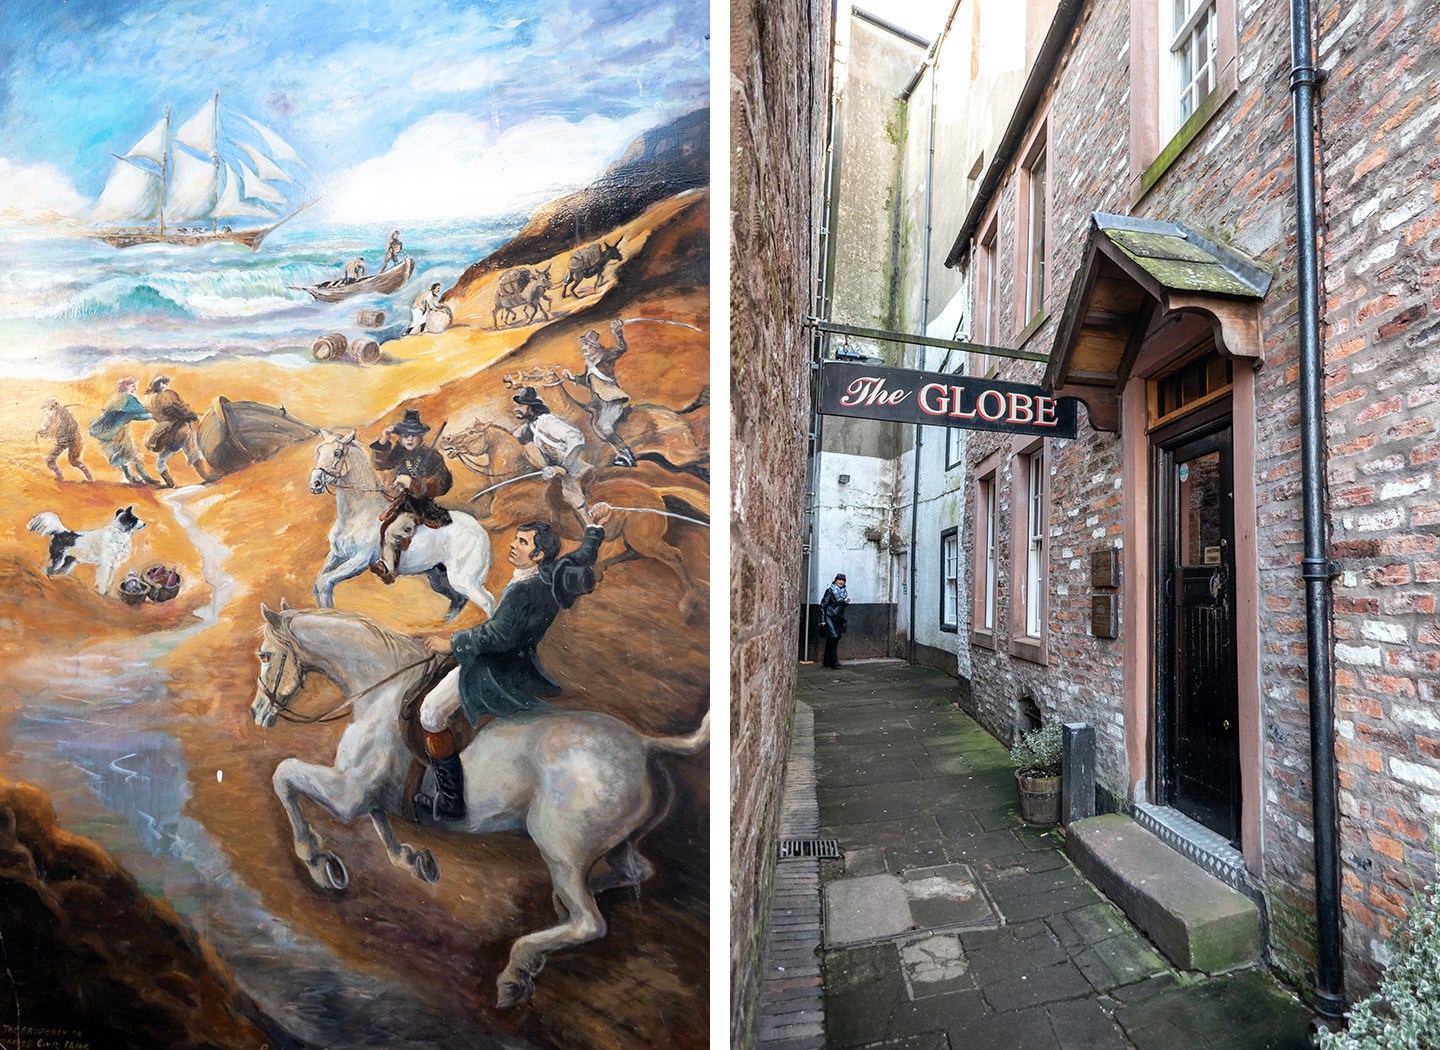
x,y
1031,649
983,640
1225,89
950,628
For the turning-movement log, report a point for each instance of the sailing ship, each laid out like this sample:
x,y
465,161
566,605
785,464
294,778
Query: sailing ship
x,y
177,188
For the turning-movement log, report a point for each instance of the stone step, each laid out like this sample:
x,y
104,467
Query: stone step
x,y
1195,919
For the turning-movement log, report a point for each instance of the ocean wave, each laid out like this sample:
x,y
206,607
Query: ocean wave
x,y
141,300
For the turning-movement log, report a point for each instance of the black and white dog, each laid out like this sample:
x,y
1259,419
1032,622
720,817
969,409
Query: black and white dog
x,y
107,548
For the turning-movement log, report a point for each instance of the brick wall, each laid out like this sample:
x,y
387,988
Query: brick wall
x,y
1380,113
1381,118
779,92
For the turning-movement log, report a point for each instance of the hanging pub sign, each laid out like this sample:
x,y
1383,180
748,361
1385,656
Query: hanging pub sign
x,y
904,395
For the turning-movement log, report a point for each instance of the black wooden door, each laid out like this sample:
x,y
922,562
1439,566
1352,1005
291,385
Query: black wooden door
x,y
1199,716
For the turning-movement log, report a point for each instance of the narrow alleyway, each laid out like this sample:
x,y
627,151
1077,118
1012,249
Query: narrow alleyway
x,y
950,924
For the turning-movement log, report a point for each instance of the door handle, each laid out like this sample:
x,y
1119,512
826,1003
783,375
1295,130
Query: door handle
x,y
1225,724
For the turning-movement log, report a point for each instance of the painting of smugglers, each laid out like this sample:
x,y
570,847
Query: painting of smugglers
x,y
357,706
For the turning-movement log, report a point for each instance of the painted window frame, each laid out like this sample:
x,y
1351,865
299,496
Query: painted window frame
x,y
987,292
1153,149
950,579
1031,294
955,436
985,565
1025,454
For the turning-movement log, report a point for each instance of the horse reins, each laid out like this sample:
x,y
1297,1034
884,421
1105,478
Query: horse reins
x,y
281,704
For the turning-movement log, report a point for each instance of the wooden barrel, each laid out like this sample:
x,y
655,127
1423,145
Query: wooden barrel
x,y
438,319
328,347
364,350
370,318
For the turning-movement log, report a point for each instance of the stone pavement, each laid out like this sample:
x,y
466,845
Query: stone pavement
x,y
950,925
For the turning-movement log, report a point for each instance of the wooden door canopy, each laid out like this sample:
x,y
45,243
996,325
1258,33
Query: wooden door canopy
x,y
1135,276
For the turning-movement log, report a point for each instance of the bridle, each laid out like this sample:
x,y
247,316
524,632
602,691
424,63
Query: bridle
x,y
281,703
334,478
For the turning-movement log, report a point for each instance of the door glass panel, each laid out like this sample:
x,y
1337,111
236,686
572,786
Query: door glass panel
x,y
1201,516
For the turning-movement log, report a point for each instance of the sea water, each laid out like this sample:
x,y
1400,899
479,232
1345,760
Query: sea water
x,y
69,303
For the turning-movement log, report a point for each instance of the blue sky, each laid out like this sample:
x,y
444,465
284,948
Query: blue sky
x,y
392,104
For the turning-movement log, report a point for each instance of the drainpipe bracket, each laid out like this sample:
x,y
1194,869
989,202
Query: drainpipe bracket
x,y
1319,569
1307,75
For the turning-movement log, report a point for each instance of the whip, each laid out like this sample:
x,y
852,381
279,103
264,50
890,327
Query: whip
x,y
502,484
661,320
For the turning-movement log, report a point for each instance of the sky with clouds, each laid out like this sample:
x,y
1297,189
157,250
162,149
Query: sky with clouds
x,y
478,108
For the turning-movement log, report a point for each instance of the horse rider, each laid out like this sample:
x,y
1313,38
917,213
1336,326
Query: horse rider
x,y
420,311
59,425
354,270
392,251
112,430
554,445
608,400
420,475
174,431
500,671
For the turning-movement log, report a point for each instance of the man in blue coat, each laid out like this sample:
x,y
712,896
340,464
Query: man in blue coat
x,y
500,671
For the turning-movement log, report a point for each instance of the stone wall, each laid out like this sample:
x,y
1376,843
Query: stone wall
x,y
779,100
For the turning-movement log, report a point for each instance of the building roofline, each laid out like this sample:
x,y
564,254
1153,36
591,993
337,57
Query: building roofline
x,y
889,27
1067,14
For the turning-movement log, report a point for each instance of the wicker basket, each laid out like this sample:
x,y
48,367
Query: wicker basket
x,y
134,591
162,583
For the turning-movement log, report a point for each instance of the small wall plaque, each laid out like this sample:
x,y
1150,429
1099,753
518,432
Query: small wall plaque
x,y
1105,568
1102,616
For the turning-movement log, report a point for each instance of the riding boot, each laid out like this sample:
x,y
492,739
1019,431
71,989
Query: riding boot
x,y
448,802
626,458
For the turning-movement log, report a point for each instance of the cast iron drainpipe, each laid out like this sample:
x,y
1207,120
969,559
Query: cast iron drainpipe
x,y
1316,567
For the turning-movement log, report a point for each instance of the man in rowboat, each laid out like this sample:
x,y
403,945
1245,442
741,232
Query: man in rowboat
x,y
355,270
420,475
392,251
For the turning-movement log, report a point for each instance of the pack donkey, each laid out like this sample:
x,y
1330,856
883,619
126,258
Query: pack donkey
x,y
525,289
589,261
577,781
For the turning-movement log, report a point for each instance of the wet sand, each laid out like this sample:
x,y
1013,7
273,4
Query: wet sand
x,y
626,650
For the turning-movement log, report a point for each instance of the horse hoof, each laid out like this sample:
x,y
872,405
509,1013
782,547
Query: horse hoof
x,y
426,866
329,872
513,993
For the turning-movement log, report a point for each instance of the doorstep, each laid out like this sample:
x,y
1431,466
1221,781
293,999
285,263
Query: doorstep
x,y
1195,919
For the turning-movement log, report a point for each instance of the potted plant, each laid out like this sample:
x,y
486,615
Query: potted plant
x,y
1037,773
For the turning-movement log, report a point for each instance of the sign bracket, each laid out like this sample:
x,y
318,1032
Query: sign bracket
x,y
922,340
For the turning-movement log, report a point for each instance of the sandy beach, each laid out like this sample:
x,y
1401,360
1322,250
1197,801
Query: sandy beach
x,y
629,649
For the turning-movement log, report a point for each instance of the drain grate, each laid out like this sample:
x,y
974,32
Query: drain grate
x,y
795,849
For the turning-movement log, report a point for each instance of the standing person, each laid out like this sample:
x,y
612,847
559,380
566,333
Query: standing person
x,y
60,425
392,251
112,430
608,400
174,431
832,618
554,445
420,475
420,312
500,672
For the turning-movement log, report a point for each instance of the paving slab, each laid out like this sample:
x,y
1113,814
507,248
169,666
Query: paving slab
x,y
865,909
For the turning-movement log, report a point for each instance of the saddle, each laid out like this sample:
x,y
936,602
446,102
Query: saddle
x,y
414,737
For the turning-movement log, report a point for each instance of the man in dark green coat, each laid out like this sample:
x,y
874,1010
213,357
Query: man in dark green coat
x,y
500,672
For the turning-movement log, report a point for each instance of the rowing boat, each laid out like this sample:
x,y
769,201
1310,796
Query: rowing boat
x,y
383,283
234,434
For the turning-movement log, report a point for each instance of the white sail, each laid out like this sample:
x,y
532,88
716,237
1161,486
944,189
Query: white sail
x,y
231,206
131,195
266,167
256,188
152,146
199,131
279,148
192,190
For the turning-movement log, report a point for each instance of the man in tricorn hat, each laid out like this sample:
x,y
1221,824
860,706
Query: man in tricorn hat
x,y
500,673
554,445
420,475
608,400
174,431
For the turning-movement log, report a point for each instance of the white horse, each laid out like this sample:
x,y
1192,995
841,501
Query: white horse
x,y
456,558
577,781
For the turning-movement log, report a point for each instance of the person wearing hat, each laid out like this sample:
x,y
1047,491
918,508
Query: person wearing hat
x,y
554,445
832,618
60,426
500,672
174,431
392,251
420,312
112,430
419,476
607,400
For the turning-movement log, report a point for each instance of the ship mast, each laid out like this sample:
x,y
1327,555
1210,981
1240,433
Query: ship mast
x,y
164,171
215,157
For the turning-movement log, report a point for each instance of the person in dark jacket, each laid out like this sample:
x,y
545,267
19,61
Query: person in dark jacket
x,y
419,475
174,431
500,671
832,618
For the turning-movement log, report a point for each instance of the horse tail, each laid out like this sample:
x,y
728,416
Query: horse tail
x,y
680,745
692,498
